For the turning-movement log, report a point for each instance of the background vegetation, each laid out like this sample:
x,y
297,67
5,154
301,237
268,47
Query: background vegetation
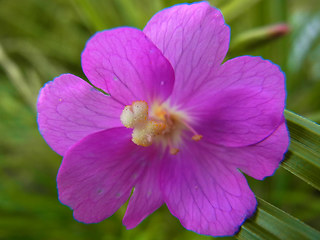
x,y
41,39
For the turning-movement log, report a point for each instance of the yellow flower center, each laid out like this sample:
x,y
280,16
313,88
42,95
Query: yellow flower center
x,y
161,125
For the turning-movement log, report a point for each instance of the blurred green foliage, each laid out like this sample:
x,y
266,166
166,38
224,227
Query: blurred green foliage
x,y
43,39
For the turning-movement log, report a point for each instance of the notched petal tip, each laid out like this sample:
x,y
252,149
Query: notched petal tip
x,y
84,181
147,196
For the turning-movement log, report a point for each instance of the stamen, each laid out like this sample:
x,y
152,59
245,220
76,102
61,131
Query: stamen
x,y
140,111
144,130
196,136
126,117
162,125
173,150
134,114
143,135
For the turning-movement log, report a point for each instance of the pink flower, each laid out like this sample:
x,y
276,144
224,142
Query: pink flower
x,y
177,126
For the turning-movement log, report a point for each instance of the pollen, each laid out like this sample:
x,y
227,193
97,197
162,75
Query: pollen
x,y
143,135
135,114
162,125
144,130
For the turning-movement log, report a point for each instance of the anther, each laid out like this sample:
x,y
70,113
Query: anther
x,y
144,130
134,114
173,150
143,135
196,136
127,117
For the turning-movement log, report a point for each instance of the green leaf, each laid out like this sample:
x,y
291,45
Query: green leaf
x,y
257,37
303,160
303,157
235,8
270,222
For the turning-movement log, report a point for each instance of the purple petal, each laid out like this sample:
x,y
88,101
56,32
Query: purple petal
x,y
127,65
242,105
206,195
98,173
195,39
70,109
147,196
262,159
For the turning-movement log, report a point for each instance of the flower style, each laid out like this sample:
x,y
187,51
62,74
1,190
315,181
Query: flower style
x,y
176,126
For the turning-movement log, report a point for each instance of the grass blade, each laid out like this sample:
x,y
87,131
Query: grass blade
x,y
269,222
303,157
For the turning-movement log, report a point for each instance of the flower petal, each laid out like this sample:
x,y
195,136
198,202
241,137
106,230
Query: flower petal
x,y
262,159
97,174
195,39
127,65
242,105
206,195
70,109
147,196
